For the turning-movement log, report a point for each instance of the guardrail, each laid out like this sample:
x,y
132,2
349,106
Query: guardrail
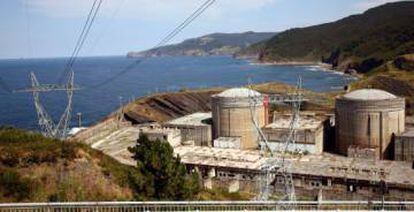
x,y
206,206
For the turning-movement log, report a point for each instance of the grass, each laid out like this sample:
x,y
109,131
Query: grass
x,y
35,168
38,169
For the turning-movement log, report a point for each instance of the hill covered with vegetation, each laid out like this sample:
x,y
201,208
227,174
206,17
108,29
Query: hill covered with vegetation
x,y
211,44
38,169
360,42
35,168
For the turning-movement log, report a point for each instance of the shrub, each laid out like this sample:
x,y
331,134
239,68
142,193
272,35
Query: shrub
x,y
164,175
13,185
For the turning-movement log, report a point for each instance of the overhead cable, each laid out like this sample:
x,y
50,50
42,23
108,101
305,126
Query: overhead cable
x,y
163,41
82,37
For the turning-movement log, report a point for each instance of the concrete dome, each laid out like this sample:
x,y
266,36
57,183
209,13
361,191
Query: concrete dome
x,y
369,94
238,93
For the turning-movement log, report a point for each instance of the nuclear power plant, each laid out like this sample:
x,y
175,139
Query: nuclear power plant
x,y
370,156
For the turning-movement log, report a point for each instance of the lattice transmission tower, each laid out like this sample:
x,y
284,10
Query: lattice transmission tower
x,y
48,127
277,164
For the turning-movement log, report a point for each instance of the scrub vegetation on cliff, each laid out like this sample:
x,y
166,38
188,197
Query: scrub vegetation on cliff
x,y
359,42
38,169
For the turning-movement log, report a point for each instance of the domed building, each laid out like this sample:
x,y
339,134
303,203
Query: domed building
x,y
367,119
233,111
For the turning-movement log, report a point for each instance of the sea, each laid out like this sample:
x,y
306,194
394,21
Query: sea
x,y
107,82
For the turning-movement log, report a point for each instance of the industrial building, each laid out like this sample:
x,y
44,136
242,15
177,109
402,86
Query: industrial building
x,y
367,119
404,146
223,145
309,134
194,127
233,115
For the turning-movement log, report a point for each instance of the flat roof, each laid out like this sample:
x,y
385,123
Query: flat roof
x,y
328,165
304,123
194,119
116,144
219,157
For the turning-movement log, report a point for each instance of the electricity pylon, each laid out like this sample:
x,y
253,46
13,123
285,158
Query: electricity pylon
x,y
277,165
47,126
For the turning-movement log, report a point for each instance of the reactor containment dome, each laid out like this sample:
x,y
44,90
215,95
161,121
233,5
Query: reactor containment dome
x,y
233,111
367,119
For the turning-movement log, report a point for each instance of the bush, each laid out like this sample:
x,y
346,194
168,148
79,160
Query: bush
x,y
13,185
22,148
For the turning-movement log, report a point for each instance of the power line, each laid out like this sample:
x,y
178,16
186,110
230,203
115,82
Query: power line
x,y
82,37
107,25
194,15
163,41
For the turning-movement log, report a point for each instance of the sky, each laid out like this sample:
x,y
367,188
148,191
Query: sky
x,y
50,28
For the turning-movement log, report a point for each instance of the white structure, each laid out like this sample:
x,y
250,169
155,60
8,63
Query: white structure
x,y
227,142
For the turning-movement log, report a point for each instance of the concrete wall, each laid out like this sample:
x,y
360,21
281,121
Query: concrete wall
x,y
307,140
201,135
99,131
368,124
232,117
173,137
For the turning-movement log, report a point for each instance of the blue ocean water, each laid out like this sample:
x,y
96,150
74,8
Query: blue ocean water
x,y
152,75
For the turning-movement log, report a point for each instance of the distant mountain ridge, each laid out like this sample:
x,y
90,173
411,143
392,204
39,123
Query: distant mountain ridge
x,y
358,42
211,44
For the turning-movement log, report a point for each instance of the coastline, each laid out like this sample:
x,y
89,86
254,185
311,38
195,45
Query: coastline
x,y
316,64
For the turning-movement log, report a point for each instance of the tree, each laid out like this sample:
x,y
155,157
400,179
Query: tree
x,y
165,177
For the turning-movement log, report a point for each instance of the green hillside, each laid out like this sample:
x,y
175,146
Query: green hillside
x,y
361,42
211,44
38,169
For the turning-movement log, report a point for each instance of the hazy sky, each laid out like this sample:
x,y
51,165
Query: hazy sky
x,y
49,28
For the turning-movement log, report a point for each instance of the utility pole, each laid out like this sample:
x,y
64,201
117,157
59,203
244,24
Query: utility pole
x,y
121,112
79,119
